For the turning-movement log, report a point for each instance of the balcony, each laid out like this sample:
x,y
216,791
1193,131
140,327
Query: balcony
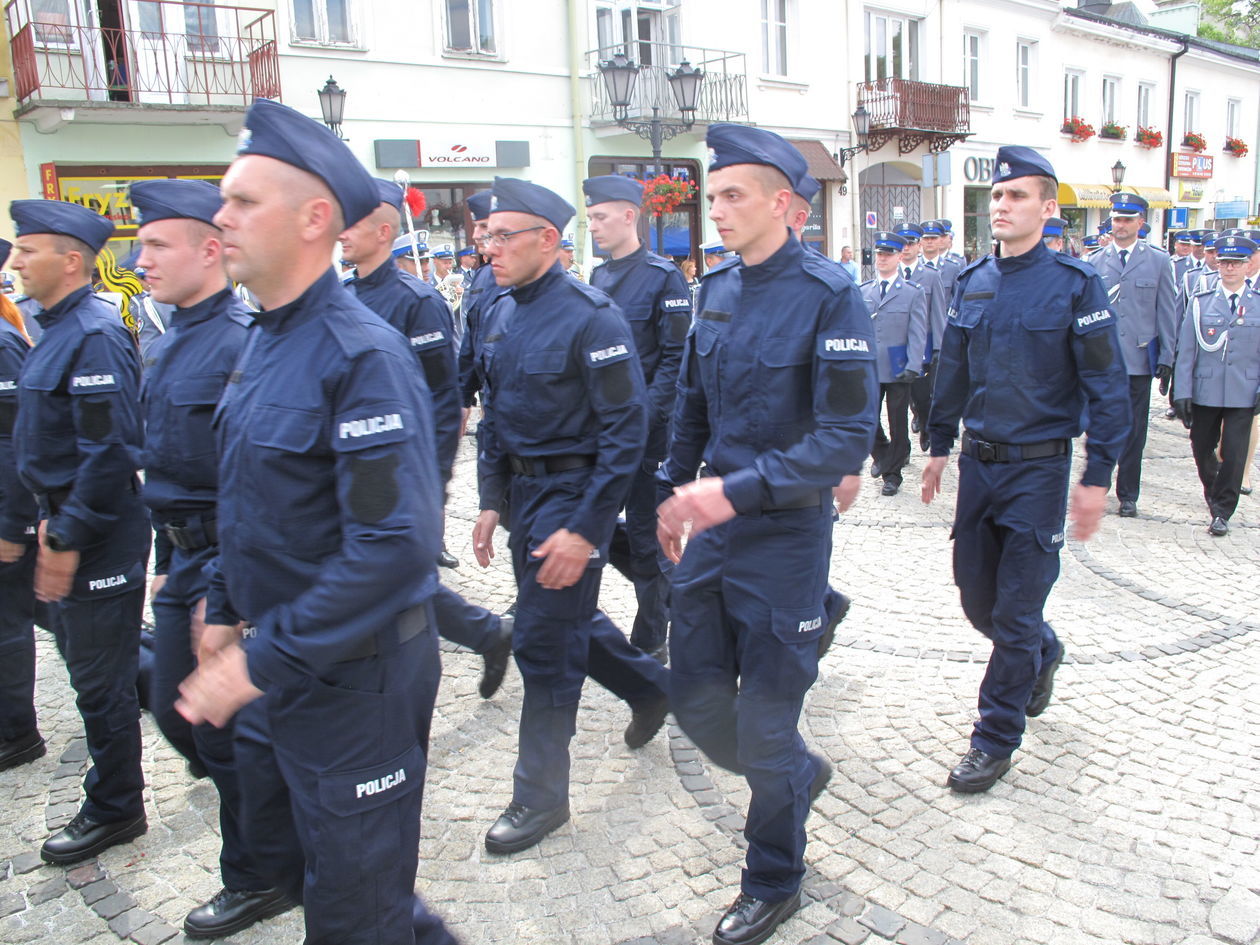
x,y
915,113
178,63
723,95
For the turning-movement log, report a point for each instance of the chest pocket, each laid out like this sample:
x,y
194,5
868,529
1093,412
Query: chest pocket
x,y
786,381
189,428
284,428
41,412
544,387
203,390
1044,347
969,315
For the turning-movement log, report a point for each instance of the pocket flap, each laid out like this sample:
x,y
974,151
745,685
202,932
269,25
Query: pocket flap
x,y
1042,320
284,428
347,793
547,361
797,624
706,338
787,350
1050,539
202,390
968,316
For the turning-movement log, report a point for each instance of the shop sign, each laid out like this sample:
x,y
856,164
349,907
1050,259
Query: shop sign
x,y
1197,166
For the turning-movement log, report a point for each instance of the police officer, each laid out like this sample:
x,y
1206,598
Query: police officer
x,y
411,255
476,297
20,741
652,294
1052,234
329,523
443,263
1138,279
565,425
417,310
186,370
778,398
1030,339
899,311
1183,255
1218,362
1089,246
948,238
77,439
936,237
714,254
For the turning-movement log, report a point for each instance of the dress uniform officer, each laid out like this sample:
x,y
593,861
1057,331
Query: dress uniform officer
x,y
20,741
1183,254
1089,246
652,294
1138,279
936,236
1202,277
1052,234
1218,363
443,263
778,397
185,372
950,253
898,310
329,524
77,439
422,316
714,254
565,425
1030,340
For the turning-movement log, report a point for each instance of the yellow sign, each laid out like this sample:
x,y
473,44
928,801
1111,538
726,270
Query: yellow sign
x,y
1190,190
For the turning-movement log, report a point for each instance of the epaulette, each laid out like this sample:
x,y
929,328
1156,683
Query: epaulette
x,y
863,285
1211,290
588,291
242,316
825,271
1072,262
353,335
96,315
660,262
973,264
724,265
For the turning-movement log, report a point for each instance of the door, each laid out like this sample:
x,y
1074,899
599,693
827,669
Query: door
x,y
892,204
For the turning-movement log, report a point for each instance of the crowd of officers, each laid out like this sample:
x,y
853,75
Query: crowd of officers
x,y
296,452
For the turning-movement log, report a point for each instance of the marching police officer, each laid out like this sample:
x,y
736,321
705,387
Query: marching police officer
x,y
936,237
1138,279
77,439
898,310
1218,363
652,294
1052,234
1089,246
565,425
417,310
914,270
443,263
20,741
476,297
947,236
1183,255
1030,339
778,397
186,370
329,526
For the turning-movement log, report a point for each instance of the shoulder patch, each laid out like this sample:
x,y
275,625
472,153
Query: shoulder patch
x,y
825,271
659,262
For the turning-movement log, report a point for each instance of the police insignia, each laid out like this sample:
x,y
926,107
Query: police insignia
x,y
243,140
1004,169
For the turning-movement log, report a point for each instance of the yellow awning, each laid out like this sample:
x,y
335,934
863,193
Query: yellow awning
x,y
1157,197
1085,195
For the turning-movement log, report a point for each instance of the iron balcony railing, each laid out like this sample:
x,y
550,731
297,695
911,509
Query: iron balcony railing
x,y
915,106
160,52
723,94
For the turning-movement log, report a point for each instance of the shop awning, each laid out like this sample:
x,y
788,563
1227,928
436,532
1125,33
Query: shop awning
x,y
1084,195
1157,197
821,164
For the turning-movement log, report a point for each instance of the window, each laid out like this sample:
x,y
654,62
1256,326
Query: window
x,y
51,22
470,27
647,33
774,37
1023,73
1110,97
1192,112
892,47
322,21
1071,95
972,45
201,27
1233,108
1145,92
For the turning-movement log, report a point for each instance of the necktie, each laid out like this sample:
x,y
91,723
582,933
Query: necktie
x,y
1124,258
932,264
1233,304
883,288
907,272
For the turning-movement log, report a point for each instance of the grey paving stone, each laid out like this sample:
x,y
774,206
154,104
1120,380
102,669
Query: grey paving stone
x,y
1236,916
11,903
848,931
49,889
883,922
127,923
155,933
27,862
94,892
79,876
113,905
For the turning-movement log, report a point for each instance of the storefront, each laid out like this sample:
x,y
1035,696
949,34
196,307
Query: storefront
x,y
681,229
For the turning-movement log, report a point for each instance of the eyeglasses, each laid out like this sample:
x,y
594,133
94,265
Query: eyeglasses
x,y
501,239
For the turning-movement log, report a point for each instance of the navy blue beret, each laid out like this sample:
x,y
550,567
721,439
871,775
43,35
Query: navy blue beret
x,y
910,232
175,200
277,131
612,187
389,192
5,248
1054,226
1018,161
889,242
61,218
479,205
807,188
1128,204
1236,247
740,144
513,195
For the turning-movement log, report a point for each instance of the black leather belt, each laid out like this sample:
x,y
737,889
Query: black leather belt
x,y
1012,452
814,500
410,624
190,534
542,465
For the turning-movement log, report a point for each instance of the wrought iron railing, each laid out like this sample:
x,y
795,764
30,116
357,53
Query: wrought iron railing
x,y
916,106
171,54
723,94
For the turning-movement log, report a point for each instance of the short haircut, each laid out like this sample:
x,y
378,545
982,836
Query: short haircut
x,y
72,244
199,231
1049,188
772,179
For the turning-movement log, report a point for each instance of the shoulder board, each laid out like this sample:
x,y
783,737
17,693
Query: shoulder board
x,y
351,327
825,271
588,291
660,262
724,265
1073,263
420,288
1210,290
863,285
974,264
96,315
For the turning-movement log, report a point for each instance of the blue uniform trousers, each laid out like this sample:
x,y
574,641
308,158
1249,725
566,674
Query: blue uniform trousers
x,y
748,609
1129,469
173,662
464,623
17,646
1008,530
332,777
637,554
558,639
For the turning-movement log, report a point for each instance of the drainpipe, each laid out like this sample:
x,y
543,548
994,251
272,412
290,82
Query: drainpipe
x,y
1172,100
579,135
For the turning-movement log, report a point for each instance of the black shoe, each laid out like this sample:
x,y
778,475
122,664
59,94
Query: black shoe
x,y
83,838
495,659
520,827
1043,688
978,771
891,487
19,751
874,469
925,442
1244,490
751,921
447,560
819,784
1128,508
829,633
1218,528
646,721
232,910
914,424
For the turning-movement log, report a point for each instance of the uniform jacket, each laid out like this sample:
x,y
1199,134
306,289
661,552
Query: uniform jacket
x,y
900,321
778,391
1230,375
18,510
932,281
1029,343
330,503
476,297
1143,298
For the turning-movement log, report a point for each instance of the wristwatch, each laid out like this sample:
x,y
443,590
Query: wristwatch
x,y
55,542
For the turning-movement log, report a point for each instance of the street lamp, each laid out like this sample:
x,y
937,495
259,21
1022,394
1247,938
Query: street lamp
x,y
332,102
862,126
1117,174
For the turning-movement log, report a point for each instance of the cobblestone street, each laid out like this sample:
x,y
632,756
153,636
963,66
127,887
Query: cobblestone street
x,y
1132,814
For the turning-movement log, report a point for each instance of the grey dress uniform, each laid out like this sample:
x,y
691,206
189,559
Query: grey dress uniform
x,y
901,324
1140,286
1218,370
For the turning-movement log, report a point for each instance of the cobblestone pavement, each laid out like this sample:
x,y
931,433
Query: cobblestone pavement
x,y
1132,814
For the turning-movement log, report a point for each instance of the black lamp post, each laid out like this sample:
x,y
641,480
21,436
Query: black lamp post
x,y
332,103
620,77
1117,174
862,126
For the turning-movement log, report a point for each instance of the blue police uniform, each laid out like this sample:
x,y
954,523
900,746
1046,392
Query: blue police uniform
x,y
653,295
329,526
778,396
1017,375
